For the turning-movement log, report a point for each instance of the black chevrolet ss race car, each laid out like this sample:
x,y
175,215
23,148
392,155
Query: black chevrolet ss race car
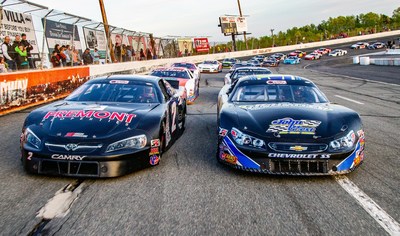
x,y
282,124
108,127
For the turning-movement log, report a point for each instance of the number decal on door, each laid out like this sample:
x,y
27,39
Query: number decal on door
x,y
173,114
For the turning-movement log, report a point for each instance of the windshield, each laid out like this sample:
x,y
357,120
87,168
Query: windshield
x,y
171,73
210,62
115,92
240,73
185,65
278,93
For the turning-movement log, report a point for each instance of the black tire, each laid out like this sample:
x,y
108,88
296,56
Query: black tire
x,y
217,153
182,119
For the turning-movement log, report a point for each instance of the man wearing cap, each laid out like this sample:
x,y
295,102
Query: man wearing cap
x,y
28,48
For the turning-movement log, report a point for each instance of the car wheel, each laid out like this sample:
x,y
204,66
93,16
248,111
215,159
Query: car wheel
x,y
182,120
217,153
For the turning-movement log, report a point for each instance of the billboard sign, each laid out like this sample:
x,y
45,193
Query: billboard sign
x,y
233,24
61,33
201,44
185,46
13,23
96,39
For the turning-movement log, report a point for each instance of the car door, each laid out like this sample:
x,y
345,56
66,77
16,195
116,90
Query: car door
x,y
171,103
196,83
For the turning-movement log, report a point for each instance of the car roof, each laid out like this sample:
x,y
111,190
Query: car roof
x,y
171,69
251,68
281,77
143,78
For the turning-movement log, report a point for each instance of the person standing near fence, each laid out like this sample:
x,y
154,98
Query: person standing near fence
x,y
142,56
55,59
63,56
76,60
96,57
28,48
68,54
21,57
87,57
8,52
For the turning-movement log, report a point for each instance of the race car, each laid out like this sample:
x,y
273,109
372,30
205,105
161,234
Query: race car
x,y
108,127
270,62
229,62
210,66
254,62
337,53
241,64
313,56
190,66
292,60
323,51
297,53
376,45
259,58
185,78
283,124
243,71
279,56
359,45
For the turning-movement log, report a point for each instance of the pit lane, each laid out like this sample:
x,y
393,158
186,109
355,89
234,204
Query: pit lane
x,y
189,193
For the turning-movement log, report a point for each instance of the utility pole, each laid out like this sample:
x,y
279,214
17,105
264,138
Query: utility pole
x,y
273,39
244,33
107,30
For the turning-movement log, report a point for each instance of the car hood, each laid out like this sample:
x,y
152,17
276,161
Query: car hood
x,y
207,65
310,121
72,119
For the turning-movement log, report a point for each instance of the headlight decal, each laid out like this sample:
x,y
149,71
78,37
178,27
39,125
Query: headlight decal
x,y
32,139
246,140
136,142
244,160
344,143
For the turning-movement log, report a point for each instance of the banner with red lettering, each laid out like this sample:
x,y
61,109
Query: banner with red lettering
x,y
201,44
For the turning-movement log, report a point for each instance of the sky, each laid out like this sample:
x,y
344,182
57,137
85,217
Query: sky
x,y
200,17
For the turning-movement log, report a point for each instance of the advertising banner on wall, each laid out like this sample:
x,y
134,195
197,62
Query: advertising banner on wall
x,y
185,46
14,23
61,33
201,44
96,39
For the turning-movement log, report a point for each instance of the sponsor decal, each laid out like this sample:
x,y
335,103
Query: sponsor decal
x,y
359,158
229,158
119,81
91,114
298,148
155,143
154,151
291,126
75,135
67,157
298,156
154,160
223,132
285,104
276,82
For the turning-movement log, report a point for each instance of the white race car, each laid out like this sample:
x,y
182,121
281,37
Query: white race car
x,y
190,66
338,53
359,45
210,66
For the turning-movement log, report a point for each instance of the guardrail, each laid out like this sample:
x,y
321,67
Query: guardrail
x,y
21,90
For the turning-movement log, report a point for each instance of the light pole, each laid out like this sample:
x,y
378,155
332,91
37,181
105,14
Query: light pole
x,y
273,39
244,33
107,30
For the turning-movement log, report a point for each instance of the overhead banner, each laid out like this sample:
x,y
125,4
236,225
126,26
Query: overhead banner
x,y
233,24
185,46
62,34
96,39
201,44
14,23
120,39
137,43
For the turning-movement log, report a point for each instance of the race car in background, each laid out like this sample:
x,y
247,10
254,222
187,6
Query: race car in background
x,y
376,45
323,51
337,53
270,62
283,124
279,56
292,60
190,66
229,62
313,56
212,66
359,45
185,78
259,58
107,127
297,53
243,71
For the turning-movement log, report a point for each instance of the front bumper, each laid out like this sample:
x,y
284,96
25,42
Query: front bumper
x,y
89,166
209,70
260,162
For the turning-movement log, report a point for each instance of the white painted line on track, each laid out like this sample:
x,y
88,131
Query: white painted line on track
x,y
349,99
384,219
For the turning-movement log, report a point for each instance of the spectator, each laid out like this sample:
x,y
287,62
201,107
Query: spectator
x,y
123,53
63,56
55,59
68,54
21,57
87,57
57,48
76,60
3,65
117,52
142,55
148,53
28,48
96,57
133,54
8,53
16,44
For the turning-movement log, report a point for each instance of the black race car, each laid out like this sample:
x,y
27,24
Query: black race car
x,y
108,127
282,124
243,71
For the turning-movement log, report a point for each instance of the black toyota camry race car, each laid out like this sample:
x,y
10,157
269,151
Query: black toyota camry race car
x,y
108,127
283,124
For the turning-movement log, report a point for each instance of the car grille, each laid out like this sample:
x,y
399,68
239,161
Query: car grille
x,y
80,147
72,168
290,147
298,166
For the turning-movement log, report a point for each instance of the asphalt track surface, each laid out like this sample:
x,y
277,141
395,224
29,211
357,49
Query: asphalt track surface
x,y
189,193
